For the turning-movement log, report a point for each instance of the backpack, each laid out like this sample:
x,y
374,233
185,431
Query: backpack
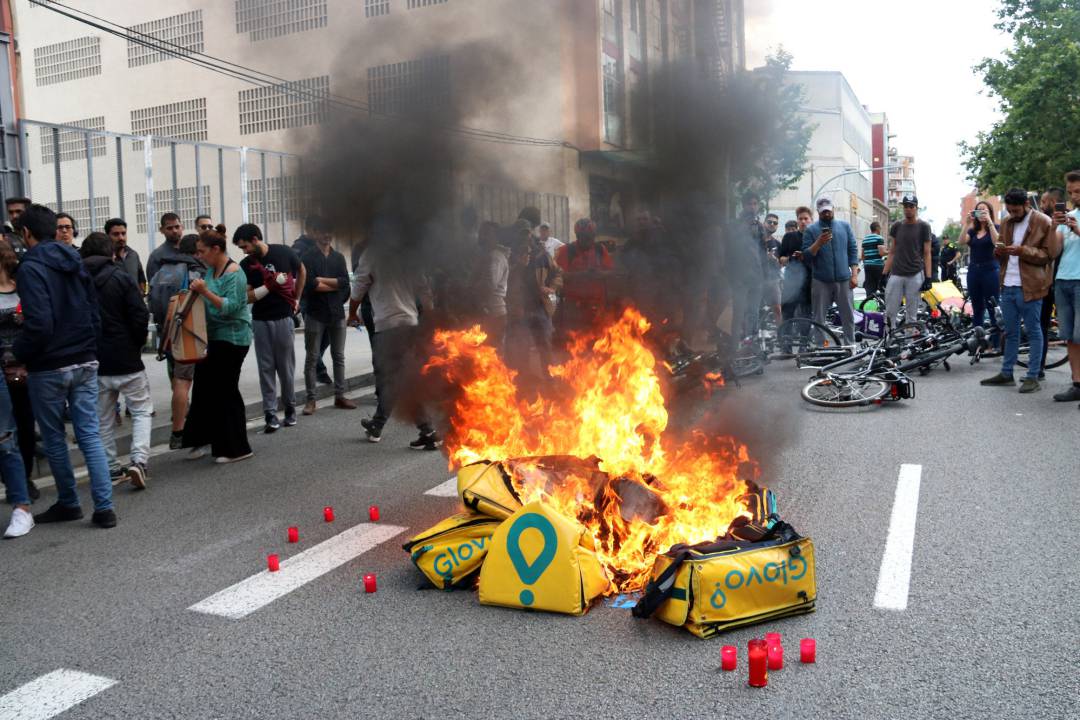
x,y
170,279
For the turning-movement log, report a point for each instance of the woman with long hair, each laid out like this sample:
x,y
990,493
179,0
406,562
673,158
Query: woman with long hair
x,y
14,372
980,234
217,417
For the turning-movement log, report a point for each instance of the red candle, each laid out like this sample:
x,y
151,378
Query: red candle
x,y
772,639
759,667
729,657
294,535
328,514
272,563
776,657
369,583
373,513
756,643
807,650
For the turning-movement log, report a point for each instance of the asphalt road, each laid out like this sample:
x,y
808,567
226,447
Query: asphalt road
x,y
990,629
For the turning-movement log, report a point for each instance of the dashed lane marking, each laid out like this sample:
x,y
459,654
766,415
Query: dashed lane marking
x,y
51,694
894,578
247,596
446,489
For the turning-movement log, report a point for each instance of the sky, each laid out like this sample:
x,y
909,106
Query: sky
x,y
911,60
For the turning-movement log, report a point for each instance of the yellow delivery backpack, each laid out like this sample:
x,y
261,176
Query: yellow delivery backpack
x,y
450,553
485,487
540,560
750,575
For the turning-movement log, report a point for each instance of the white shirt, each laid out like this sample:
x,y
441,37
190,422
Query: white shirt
x,y
551,245
1012,270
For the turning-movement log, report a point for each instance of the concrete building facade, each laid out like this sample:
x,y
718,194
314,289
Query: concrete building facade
x,y
568,70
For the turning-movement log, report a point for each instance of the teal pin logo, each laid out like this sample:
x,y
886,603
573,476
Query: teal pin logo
x,y
530,573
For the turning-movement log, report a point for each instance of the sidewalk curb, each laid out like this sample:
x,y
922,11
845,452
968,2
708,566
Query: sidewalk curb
x,y
162,429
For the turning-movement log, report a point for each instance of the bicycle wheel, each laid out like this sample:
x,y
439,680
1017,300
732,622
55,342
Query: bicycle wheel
x,y
804,332
840,392
1057,354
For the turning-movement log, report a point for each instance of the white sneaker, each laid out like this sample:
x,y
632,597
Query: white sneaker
x,y
197,452
224,460
21,523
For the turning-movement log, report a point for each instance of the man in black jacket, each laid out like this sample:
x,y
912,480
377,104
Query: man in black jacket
x,y
325,290
121,335
58,345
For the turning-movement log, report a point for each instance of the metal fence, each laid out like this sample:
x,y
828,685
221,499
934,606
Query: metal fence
x,y
94,174
502,204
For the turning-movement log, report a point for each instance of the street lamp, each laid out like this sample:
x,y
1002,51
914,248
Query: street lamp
x,y
852,171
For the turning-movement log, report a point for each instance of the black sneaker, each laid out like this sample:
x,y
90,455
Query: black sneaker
x,y
426,441
176,440
59,513
104,518
374,432
290,417
1070,395
999,379
32,490
272,423
117,475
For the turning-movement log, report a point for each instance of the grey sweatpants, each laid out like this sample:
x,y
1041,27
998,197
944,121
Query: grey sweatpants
x,y
907,288
276,357
823,295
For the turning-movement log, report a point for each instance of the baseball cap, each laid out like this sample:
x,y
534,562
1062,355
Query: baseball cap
x,y
824,204
545,224
909,199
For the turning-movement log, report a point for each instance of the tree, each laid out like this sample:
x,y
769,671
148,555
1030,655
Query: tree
x,y
1035,143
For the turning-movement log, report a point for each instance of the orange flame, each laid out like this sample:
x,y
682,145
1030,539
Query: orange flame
x,y
649,491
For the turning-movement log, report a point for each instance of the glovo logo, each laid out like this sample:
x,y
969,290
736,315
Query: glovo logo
x,y
769,573
531,572
446,562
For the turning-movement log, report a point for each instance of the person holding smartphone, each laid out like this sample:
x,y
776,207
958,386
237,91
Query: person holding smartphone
x,y
1067,285
980,234
830,249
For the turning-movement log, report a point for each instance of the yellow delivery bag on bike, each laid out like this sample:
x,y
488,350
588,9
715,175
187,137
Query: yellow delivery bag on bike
x,y
485,487
541,560
450,553
750,575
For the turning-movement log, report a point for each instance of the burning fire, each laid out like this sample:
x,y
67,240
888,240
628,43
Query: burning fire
x,y
636,489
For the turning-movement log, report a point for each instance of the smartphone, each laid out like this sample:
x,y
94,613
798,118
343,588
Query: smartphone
x,y
826,225
1059,207
974,214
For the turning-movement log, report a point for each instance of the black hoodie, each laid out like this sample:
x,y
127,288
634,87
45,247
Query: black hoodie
x,y
124,317
59,305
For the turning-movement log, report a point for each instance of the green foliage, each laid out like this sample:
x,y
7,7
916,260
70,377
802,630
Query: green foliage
x,y
782,162
951,230
1038,87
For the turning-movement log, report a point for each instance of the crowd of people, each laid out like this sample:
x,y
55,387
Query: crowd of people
x,y
74,320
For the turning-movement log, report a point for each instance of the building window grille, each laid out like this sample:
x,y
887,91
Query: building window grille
x,y
184,120
414,4
264,19
73,143
68,60
375,8
414,85
289,105
181,33
80,210
184,202
266,207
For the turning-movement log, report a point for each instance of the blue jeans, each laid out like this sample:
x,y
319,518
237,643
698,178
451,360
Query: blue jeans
x,y
11,464
1013,311
79,388
1067,301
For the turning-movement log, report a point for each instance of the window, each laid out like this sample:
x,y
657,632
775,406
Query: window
x,y
290,105
184,120
374,8
184,202
414,85
414,4
73,144
268,209
613,101
80,210
263,19
178,33
69,60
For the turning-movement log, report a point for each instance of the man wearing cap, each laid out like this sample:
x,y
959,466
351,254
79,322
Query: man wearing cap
x,y
829,248
909,264
584,263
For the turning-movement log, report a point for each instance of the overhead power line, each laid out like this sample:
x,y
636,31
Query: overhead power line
x,y
259,78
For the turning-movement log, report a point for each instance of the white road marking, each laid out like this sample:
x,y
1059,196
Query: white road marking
x,y
894,578
446,489
247,596
51,694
